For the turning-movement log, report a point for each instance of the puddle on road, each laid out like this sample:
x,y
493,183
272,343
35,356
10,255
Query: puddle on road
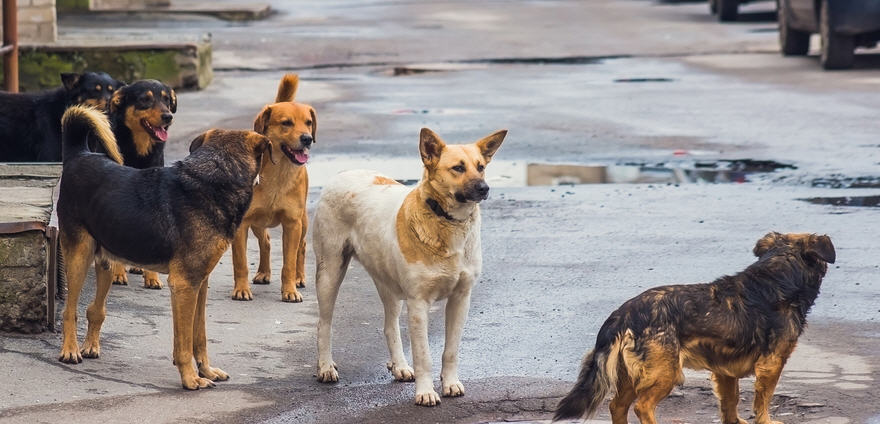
x,y
865,201
839,181
522,173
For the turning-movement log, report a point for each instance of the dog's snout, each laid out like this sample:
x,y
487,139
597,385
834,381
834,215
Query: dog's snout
x,y
306,139
167,117
482,188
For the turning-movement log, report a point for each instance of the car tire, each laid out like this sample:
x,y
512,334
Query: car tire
x,y
792,42
838,50
713,6
727,10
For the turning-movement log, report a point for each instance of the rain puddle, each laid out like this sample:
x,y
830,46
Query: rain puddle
x,y
839,181
869,201
521,173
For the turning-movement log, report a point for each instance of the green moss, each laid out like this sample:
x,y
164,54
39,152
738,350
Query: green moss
x,y
72,5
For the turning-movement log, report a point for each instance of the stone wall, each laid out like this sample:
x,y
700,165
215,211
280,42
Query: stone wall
x,y
37,21
23,284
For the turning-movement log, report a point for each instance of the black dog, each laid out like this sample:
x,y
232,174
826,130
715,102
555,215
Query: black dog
x,y
180,225
140,114
740,325
30,123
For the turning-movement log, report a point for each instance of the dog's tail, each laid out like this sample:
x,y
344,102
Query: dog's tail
x,y
76,125
597,377
287,88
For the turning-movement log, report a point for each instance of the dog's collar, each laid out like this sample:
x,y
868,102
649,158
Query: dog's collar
x,y
438,210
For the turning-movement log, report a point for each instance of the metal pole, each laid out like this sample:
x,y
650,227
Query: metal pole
x,y
10,46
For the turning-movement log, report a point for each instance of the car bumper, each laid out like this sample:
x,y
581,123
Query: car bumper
x,y
855,16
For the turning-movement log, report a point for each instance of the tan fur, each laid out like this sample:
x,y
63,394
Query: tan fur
x,y
279,198
101,127
380,180
143,141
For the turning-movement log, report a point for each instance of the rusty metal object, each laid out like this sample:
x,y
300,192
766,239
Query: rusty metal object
x,y
9,48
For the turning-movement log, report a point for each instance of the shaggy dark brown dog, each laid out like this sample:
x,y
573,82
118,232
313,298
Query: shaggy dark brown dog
x,y
736,326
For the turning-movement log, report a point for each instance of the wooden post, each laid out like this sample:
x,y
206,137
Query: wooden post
x,y
9,48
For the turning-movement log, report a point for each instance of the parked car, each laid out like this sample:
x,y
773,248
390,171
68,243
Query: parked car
x,y
842,25
727,10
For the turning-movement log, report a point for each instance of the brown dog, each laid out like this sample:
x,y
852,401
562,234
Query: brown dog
x,y
280,196
740,325
181,226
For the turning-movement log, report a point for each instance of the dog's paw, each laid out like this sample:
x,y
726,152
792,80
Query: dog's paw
x,y
242,294
427,398
70,356
327,373
455,389
90,349
152,282
136,270
213,374
120,278
402,372
301,284
196,383
291,296
262,278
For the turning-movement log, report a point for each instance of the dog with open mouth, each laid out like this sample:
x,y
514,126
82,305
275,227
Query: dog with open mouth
x,y
140,114
280,195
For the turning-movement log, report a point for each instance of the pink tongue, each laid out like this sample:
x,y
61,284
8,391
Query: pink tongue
x,y
161,133
301,156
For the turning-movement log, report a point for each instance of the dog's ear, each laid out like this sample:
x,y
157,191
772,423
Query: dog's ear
x,y
490,144
195,144
116,100
70,80
766,243
261,145
821,247
314,125
430,147
173,96
261,124
287,88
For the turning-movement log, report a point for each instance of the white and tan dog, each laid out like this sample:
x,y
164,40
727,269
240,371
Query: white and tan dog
x,y
419,245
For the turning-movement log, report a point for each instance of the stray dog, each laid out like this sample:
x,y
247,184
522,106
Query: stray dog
x,y
280,196
140,114
418,245
740,325
30,123
181,226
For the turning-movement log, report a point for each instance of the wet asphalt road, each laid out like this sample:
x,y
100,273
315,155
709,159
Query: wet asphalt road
x,y
639,82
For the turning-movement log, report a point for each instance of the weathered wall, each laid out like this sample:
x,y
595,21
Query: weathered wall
x,y
23,282
37,21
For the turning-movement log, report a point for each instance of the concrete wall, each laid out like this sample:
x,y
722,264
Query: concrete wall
x,y
23,282
37,21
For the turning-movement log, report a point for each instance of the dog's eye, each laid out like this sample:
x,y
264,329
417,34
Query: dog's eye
x,y
287,123
480,167
458,168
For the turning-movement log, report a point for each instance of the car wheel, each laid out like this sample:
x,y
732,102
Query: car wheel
x,y
838,50
792,42
727,10
713,6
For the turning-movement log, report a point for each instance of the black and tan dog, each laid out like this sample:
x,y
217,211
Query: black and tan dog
x,y
180,226
740,325
140,114
30,123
